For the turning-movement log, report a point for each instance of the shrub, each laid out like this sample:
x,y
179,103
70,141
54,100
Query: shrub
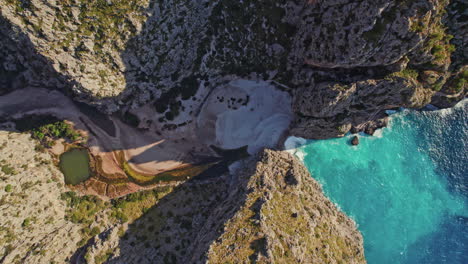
x,y
82,209
26,222
8,188
8,170
94,231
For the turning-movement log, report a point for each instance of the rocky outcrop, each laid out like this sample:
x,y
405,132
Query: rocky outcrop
x,y
33,227
346,34
284,218
21,65
332,109
82,40
124,55
374,56
271,211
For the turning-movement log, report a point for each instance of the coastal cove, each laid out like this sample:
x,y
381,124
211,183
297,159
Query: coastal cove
x,y
405,187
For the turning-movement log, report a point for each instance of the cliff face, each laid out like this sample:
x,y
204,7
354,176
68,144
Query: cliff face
x,y
354,59
271,212
33,228
362,58
283,217
344,63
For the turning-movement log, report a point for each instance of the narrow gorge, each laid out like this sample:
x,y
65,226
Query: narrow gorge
x,y
155,131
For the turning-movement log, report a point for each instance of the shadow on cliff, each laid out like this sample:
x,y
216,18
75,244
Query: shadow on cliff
x,y
22,66
28,68
183,225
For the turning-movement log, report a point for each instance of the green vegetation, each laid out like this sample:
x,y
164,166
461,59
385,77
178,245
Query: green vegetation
x,y
438,41
387,17
133,206
172,175
55,130
8,170
21,5
377,31
406,73
27,222
417,27
82,209
181,174
103,257
459,82
8,188
108,22
7,235
46,129
439,45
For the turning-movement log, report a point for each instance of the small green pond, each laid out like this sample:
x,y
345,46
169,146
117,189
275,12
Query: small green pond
x,y
75,166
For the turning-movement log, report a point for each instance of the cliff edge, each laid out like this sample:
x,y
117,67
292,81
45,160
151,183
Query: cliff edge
x,y
284,218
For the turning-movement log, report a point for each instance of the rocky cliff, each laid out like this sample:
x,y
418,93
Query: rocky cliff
x,y
283,217
354,59
343,62
33,228
272,211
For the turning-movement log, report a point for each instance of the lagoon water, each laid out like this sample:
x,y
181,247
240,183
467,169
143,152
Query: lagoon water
x,y
75,166
406,187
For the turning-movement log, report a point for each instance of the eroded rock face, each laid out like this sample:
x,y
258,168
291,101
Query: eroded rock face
x,y
348,34
151,53
359,59
82,40
344,62
272,211
284,218
20,65
331,109
33,228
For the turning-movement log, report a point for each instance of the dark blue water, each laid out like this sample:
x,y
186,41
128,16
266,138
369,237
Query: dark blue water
x,y
406,187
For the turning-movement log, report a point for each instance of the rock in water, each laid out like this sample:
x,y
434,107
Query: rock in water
x,y
355,141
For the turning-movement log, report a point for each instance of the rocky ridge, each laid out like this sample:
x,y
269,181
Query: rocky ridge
x,y
273,212
120,55
33,227
285,218
241,217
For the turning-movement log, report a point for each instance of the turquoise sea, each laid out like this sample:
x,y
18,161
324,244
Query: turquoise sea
x,y
406,187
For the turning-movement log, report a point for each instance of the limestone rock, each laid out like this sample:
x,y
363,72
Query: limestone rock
x,y
327,109
283,217
33,228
